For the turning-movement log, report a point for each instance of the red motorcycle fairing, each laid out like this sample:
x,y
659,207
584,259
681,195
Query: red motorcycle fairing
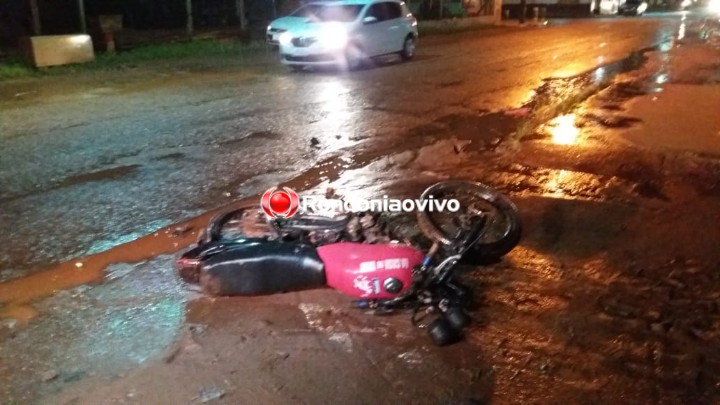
x,y
369,271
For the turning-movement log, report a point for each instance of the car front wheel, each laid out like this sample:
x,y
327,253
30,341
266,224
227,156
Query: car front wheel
x,y
408,50
354,57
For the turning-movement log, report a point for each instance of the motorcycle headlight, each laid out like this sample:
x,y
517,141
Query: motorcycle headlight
x,y
333,36
285,38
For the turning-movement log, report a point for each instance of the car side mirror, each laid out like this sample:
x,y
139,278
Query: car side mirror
x,y
370,20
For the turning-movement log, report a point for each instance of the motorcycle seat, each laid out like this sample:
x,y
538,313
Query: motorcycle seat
x,y
265,267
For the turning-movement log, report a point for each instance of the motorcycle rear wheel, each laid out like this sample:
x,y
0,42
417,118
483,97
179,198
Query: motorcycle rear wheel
x,y
502,230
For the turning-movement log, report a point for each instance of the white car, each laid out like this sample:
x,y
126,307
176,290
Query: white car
x,y
296,18
344,33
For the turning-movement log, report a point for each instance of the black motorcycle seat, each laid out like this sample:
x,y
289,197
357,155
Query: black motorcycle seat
x,y
262,268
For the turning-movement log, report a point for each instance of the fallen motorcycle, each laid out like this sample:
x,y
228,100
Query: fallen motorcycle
x,y
246,252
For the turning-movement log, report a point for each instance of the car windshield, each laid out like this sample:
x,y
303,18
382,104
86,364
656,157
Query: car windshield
x,y
306,11
340,13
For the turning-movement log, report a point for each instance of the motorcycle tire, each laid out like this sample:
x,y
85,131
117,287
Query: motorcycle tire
x,y
442,333
505,223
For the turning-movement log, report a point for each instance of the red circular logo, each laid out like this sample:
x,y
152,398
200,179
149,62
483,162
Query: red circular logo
x,y
282,204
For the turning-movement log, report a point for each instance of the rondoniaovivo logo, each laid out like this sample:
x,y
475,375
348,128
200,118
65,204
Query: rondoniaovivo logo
x,y
278,203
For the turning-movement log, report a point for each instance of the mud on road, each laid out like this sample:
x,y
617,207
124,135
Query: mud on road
x,y
611,297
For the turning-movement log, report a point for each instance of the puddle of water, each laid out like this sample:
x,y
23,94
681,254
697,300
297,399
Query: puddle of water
x,y
91,268
564,130
555,90
551,104
21,314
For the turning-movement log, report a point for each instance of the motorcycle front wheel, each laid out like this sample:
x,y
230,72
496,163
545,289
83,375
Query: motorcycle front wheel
x,y
502,229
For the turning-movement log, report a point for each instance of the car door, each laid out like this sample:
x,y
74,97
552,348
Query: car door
x,y
395,26
375,34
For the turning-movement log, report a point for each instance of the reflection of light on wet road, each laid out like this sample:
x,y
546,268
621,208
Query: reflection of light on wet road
x,y
599,75
666,46
681,30
578,185
565,73
333,93
332,169
338,117
531,94
333,96
662,76
557,180
563,129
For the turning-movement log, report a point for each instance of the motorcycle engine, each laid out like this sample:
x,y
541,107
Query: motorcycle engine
x,y
363,227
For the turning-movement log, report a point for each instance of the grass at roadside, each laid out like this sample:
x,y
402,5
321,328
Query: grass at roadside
x,y
176,51
14,67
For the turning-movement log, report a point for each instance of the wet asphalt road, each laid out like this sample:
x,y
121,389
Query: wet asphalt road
x,y
89,163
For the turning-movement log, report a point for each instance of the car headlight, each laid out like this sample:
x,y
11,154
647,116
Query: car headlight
x,y
333,36
714,6
285,38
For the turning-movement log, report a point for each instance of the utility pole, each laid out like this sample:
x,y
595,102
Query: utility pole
x,y
35,17
240,10
81,11
523,11
188,11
